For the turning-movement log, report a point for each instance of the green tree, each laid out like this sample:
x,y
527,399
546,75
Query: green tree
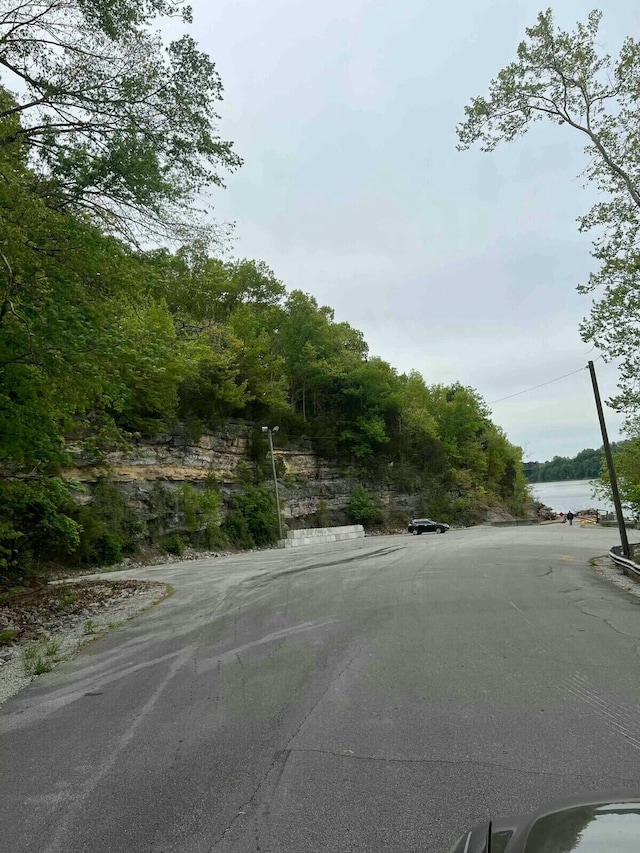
x,y
566,78
303,340
255,315
367,405
214,389
626,459
35,520
462,419
415,452
482,466
232,311
83,350
145,373
119,124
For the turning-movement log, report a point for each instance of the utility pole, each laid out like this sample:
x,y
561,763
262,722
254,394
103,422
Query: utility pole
x,y
612,474
275,478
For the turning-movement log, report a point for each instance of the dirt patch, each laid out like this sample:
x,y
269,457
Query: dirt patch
x,y
41,627
29,615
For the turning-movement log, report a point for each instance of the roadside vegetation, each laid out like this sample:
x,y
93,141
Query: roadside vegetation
x,y
626,459
567,78
120,314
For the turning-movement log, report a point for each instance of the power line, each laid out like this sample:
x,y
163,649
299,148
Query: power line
x,y
541,385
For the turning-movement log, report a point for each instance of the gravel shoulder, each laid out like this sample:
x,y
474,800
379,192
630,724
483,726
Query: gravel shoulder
x,y
607,569
43,627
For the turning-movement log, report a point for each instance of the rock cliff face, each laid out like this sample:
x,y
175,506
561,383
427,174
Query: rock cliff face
x,y
307,482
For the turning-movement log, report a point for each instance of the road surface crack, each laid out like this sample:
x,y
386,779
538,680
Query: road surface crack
x,y
318,701
448,762
280,758
606,622
277,764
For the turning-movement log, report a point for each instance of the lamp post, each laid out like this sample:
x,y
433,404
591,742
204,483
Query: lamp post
x,y
270,433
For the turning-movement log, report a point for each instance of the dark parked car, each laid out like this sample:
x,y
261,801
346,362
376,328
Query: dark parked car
x,y
425,525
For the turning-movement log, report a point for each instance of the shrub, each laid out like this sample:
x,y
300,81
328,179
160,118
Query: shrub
x,y
237,530
173,544
398,518
258,507
8,635
363,508
164,503
258,452
107,549
66,597
108,527
244,473
216,537
36,525
200,509
322,514
252,519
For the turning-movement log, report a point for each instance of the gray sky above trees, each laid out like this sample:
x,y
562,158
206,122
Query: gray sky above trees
x,y
460,265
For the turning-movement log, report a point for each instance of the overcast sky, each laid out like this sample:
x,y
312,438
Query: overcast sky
x,y
460,265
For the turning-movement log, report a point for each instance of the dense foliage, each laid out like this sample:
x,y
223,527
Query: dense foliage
x,y
585,465
626,460
118,124
103,343
363,508
567,78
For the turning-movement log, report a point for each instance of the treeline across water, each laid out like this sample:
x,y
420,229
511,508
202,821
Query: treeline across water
x,y
585,465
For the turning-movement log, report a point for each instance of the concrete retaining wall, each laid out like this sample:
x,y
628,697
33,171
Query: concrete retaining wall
x,y
630,525
320,535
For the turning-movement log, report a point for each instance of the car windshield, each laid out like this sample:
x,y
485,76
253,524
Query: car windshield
x,y
589,829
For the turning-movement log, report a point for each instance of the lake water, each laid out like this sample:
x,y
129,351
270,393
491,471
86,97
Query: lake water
x,y
565,495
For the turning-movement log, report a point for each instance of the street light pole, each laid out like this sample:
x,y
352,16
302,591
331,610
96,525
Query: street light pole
x,y
275,477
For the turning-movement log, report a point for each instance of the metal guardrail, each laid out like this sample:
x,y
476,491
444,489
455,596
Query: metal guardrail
x,y
628,566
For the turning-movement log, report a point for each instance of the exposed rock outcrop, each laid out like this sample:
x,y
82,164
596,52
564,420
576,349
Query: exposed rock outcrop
x,y
308,483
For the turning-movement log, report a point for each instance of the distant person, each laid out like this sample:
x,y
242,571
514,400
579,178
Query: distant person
x,y
597,516
570,517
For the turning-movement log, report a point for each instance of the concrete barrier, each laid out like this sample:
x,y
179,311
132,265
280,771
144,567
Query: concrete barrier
x,y
320,535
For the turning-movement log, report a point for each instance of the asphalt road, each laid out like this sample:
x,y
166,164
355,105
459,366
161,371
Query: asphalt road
x,y
376,695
